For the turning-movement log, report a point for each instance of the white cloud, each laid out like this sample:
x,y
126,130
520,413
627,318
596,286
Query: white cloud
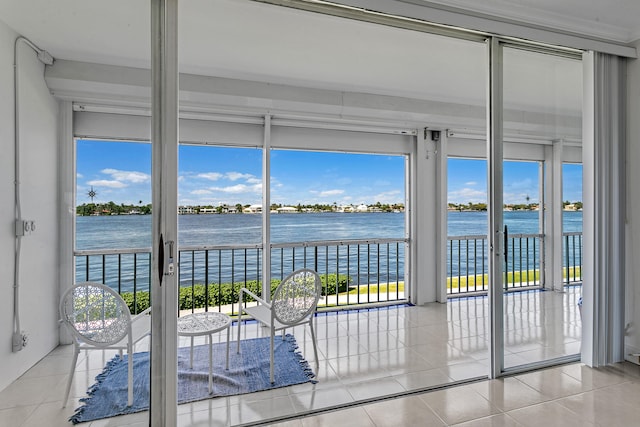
x,y
234,176
344,181
211,176
107,183
522,185
328,193
130,176
200,192
471,183
466,195
79,175
516,192
238,189
393,196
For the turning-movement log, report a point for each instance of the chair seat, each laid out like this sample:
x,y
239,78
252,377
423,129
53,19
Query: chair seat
x,y
262,314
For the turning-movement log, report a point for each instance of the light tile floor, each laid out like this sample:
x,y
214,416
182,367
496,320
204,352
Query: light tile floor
x,y
368,354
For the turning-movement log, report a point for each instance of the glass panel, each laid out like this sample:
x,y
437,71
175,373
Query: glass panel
x,y
350,219
219,225
113,217
542,121
113,245
572,243
467,262
317,67
467,253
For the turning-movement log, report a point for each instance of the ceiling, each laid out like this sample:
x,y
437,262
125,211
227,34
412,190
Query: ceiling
x,y
118,30
249,40
614,20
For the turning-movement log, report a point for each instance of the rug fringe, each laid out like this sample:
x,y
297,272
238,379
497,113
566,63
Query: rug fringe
x,y
75,418
304,363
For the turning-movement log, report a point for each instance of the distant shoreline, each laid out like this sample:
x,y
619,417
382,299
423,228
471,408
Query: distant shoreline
x,y
315,212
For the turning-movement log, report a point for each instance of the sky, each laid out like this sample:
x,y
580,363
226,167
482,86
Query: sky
x,y
467,180
121,172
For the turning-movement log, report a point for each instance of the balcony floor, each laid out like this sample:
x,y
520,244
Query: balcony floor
x,y
365,354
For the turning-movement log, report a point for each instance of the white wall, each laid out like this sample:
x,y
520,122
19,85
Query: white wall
x,y
39,172
632,277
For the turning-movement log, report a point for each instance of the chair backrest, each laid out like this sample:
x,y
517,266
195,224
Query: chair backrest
x,y
95,314
296,297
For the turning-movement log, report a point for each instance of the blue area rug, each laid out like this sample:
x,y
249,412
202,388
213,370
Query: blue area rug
x,y
248,372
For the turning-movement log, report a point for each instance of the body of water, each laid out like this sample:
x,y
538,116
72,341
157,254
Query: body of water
x,y
134,231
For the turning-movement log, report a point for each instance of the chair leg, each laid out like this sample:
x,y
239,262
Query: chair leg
x,y
313,340
129,376
271,358
228,335
210,339
191,355
239,323
76,351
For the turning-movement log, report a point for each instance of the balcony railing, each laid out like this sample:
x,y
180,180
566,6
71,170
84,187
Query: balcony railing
x,y
467,261
572,246
211,276
124,270
353,272
374,268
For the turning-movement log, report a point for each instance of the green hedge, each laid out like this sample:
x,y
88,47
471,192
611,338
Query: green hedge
x,y
226,293
142,301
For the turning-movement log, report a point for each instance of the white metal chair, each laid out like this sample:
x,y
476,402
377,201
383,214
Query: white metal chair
x,y
293,303
98,318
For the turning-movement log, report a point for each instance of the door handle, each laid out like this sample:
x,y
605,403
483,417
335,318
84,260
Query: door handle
x,y
506,244
166,258
161,259
170,261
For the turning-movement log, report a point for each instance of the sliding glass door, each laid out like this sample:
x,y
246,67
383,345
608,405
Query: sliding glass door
x,y
541,112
